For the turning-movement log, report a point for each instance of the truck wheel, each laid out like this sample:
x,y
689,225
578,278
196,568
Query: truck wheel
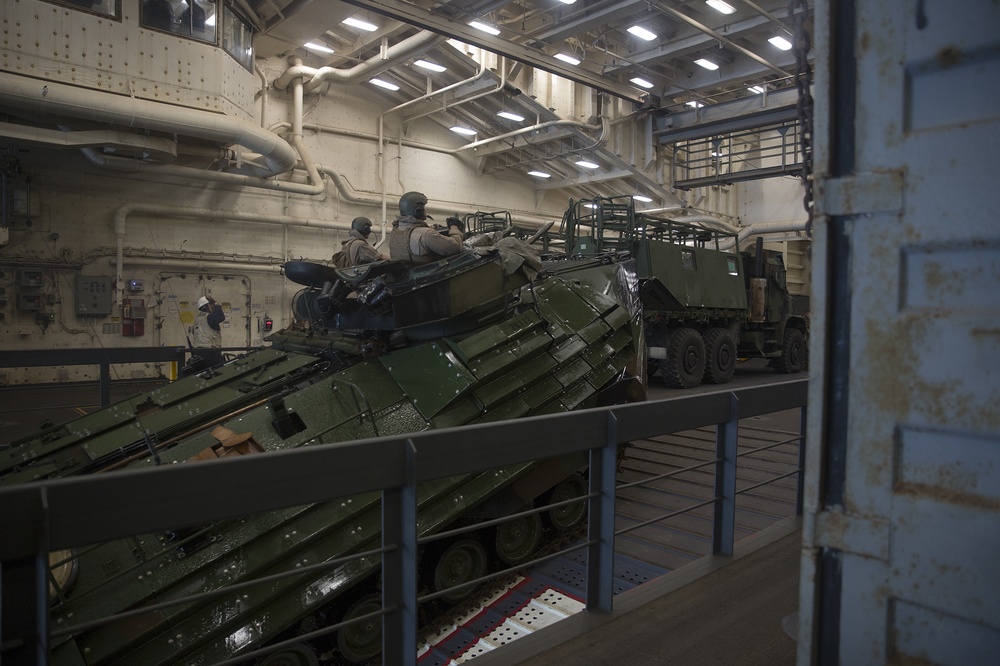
x,y
685,364
720,356
793,352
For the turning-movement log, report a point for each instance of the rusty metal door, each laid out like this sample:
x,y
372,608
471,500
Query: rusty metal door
x,y
902,525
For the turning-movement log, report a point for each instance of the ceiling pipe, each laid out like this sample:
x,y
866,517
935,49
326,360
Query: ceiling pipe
x,y
412,45
48,98
381,132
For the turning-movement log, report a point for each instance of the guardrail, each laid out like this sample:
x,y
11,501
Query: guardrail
x,y
36,519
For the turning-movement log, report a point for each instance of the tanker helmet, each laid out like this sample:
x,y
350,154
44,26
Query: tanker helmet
x,y
362,225
412,203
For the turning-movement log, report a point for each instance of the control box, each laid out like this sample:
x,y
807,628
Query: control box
x,y
93,295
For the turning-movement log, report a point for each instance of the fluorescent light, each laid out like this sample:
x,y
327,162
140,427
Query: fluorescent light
x,y
539,174
433,66
567,2
360,25
707,64
642,33
757,89
643,199
565,57
318,48
479,25
780,42
720,6
641,82
383,84
510,116
587,165
458,129
695,105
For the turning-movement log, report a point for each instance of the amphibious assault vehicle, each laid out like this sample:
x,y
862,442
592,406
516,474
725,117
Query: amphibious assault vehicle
x,y
376,350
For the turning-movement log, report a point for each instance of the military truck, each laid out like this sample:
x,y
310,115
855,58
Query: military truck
x,y
376,350
705,304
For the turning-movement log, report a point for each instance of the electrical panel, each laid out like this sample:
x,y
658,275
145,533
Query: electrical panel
x,y
29,302
29,277
93,295
133,316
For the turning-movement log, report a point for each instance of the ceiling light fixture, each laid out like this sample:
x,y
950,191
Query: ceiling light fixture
x,y
642,33
587,165
567,2
539,174
757,89
565,57
781,42
695,105
318,48
458,129
360,25
707,64
433,66
383,84
720,6
641,82
643,199
485,27
510,116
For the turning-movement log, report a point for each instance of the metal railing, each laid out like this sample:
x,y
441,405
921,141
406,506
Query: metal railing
x,y
38,518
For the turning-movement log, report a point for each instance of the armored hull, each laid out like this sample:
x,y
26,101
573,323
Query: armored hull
x,y
379,351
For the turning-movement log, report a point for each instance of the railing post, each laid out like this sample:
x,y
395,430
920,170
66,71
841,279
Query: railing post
x,y
24,591
601,521
399,567
800,490
726,438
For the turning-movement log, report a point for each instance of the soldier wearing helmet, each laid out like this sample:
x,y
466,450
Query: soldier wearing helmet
x,y
414,241
356,250
207,332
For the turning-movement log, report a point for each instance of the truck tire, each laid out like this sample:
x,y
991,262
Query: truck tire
x,y
685,363
793,352
720,356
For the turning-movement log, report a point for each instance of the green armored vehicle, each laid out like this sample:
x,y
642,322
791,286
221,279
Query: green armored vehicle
x,y
378,350
705,304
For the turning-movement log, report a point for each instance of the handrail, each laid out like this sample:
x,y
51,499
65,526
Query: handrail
x,y
38,518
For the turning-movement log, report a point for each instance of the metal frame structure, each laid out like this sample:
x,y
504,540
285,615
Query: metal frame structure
x,y
39,518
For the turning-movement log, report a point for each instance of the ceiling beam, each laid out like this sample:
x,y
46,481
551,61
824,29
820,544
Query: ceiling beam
x,y
408,13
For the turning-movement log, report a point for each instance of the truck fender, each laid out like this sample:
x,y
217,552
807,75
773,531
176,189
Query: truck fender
x,y
795,321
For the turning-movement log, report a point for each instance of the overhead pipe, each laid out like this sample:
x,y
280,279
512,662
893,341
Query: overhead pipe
x,y
44,98
381,131
419,42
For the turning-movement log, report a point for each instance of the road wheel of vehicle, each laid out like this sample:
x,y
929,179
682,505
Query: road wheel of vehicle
x,y
793,352
299,654
460,562
517,539
567,517
685,364
720,356
361,641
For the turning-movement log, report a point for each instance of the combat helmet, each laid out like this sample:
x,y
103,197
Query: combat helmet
x,y
362,225
412,203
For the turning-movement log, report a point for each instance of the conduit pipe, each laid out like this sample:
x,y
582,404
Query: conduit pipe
x,y
45,98
419,42
184,211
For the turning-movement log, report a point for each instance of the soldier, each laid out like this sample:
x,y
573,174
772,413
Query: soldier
x,y
207,332
356,250
414,241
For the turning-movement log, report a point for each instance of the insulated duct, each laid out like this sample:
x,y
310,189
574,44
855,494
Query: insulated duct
x,y
314,78
39,99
